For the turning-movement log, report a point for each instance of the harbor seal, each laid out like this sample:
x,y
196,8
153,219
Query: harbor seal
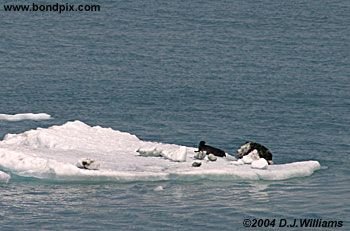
x,y
250,146
202,147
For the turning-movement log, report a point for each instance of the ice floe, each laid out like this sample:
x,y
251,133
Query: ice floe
x,y
25,116
56,152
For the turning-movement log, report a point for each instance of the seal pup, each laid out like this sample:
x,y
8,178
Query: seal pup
x,y
202,147
250,146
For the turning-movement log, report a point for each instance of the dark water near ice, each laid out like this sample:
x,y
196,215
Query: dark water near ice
x,y
180,72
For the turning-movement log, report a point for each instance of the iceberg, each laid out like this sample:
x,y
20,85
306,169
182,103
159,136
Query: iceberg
x,y
53,153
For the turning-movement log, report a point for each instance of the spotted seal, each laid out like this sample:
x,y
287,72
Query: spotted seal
x,y
250,146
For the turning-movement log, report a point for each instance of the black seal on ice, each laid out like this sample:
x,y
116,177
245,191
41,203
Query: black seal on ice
x,y
202,147
250,146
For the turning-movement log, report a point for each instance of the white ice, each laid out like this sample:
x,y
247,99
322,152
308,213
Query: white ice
x,y
260,164
25,116
4,177
252,156
53,153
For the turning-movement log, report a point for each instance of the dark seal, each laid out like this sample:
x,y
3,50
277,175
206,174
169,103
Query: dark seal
x,y
202,147
249,146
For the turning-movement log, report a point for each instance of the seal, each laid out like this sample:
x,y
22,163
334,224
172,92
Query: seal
x,y
250,146
202,147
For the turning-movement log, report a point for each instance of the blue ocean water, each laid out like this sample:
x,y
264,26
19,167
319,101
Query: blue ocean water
x,y
180,72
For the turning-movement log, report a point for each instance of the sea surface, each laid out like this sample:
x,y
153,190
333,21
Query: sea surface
x,y
276,72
